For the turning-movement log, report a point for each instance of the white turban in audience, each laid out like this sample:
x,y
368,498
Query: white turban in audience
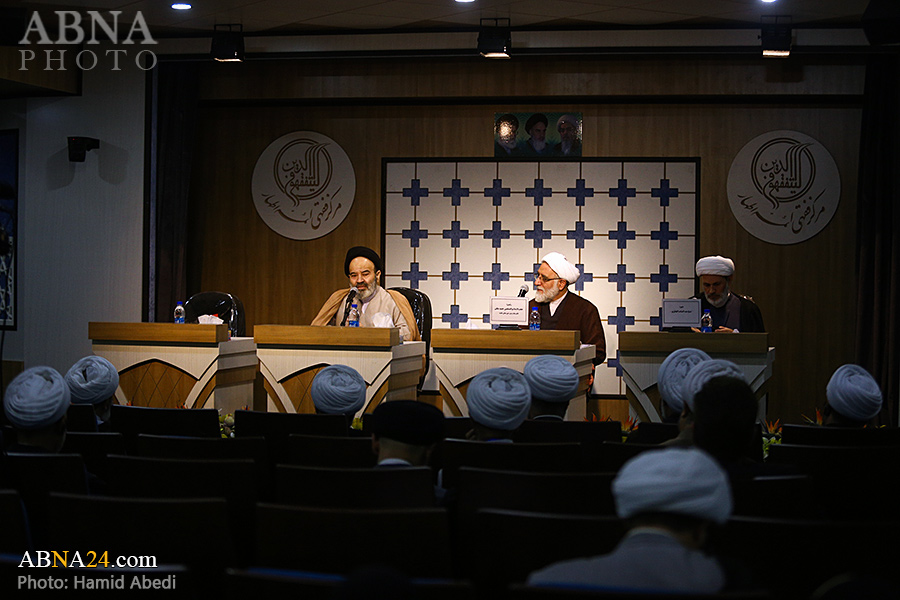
x,y
715,265
92,380
672,373
551,378
681,481
499,398
38,397
854,393
563,267
338,390
703,372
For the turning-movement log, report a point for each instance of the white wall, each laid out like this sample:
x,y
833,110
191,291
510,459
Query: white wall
x,y
80,224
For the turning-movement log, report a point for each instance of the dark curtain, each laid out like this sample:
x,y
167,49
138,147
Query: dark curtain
x,y
177,118
878,229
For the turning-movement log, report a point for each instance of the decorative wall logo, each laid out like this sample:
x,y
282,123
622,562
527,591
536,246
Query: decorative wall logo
x,y
784,187
74,30
303,185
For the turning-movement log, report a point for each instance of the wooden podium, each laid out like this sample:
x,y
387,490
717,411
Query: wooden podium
x,y
291,355
172,365
461,354
642,353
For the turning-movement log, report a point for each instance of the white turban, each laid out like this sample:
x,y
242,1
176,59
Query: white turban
x,y
680,481
38,397
672,373
703,372
715,265
338,390
499,398
563,267
854,393
551,378
570,119
92,380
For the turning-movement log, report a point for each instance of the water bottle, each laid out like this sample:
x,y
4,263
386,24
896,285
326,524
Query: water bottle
x,y
179,313
353,317
706,322
534,319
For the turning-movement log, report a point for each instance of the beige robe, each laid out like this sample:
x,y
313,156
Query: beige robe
x,y
383,301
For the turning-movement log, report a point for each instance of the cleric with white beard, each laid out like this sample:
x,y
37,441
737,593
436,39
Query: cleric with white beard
x,y
731,312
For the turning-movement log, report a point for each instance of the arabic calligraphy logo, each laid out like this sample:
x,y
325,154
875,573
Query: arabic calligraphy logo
x,y
303,185
783,187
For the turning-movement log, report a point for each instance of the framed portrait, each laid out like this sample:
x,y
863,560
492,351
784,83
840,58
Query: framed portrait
x,y
9,197
537,135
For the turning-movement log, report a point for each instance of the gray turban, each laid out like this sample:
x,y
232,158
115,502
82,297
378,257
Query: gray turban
x,y
551,378
854,393
499,398
38,397
702,373
338,390
672,373
681,481
715,265
92,380
562,266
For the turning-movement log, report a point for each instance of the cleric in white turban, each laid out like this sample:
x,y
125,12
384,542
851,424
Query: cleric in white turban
x,y
854,397
35,404
553,381
498,401
731,312
671,375
338,390
93,380
669,499
562,310
703,372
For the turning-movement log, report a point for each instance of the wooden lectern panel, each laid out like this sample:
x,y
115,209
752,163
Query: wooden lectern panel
x,y
714,343
492,340
136,333
308,335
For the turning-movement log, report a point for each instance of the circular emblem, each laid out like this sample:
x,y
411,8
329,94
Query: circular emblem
x,y
303,185
784,187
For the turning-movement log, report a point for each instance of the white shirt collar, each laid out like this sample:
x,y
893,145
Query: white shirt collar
x,y
555,303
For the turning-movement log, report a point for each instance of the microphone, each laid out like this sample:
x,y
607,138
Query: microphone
x,y
522,291
350,298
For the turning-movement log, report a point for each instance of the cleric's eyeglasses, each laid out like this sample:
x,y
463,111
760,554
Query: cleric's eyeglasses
x,y
544,278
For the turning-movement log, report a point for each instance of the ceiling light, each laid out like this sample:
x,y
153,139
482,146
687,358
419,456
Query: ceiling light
x,y
494,38
228,45
775,35
181,6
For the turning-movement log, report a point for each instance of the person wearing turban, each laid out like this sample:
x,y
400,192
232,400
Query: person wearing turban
x,y
669,500
405,432
498,401
35,404
853,397
536,144
569,129
338,390
561,310
553,381
731,312
377,306
93,380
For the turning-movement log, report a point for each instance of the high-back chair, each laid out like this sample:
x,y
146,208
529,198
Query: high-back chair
x,y
228,306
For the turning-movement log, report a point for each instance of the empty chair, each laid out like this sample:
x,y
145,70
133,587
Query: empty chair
x,y
408,487
648,432
94,448
81,417
519,457
610,456
524,592
328,451
421,307
16,538
280,425
776,496
569,431
416,540
815,435
228,306
134,420
535,492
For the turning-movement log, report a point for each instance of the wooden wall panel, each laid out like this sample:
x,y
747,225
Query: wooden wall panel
x,y
806,291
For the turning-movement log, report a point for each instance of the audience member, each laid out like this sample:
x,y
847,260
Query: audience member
x,y
35,405
670,380
405,432
93,380
669,499
853,397
498,401
725,412
338,390
553,382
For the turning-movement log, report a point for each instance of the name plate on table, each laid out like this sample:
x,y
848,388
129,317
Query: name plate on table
x,y
680,313
506,310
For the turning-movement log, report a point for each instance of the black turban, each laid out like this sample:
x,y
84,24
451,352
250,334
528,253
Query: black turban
x,y
358,251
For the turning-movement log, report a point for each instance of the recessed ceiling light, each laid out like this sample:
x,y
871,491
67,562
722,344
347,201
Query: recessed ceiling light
x,y
768,1
465,1
181,6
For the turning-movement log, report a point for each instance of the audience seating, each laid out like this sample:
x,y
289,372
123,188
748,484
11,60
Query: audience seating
x,y
648,432
523,592
776,496
816,435
521,457
610,456
328,451
16,538
416,541
134,420
81,417
408,487
584,432
94,448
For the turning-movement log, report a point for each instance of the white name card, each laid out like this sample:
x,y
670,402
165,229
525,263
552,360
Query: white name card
x,y
680,313
509,311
